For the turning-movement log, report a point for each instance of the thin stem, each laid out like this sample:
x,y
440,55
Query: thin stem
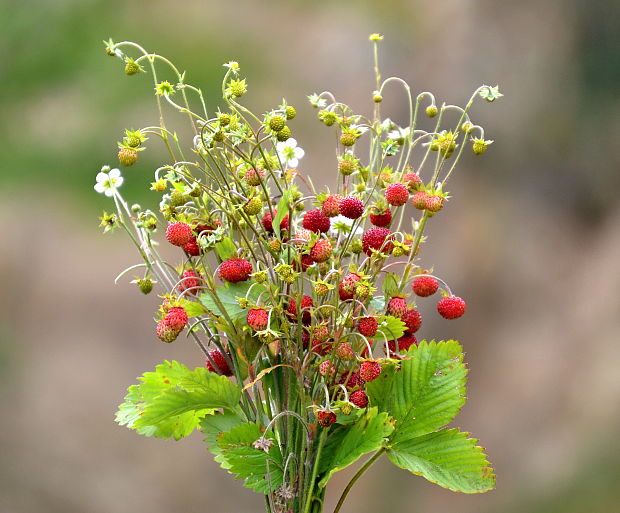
x,y
358,474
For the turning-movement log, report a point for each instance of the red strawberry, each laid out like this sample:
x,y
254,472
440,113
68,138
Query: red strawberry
x,y
321,348
344,351
397,306
419,200
351,207
451,307
176,318
359,398
190,280
352,381
222,365
179,234
306,261
331,206
325,418
404,343
321,251
382,218
425,286
234,270
397,194
316,221
192,248
254,176
367,326
346,288
370,370
412,319
267,221
374,239
305,339
327,369
165,333
434,203
306,304
412,180
257,319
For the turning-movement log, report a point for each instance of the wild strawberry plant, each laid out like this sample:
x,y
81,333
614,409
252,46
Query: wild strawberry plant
x,y
301,300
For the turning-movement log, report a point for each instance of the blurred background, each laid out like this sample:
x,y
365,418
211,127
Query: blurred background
x,y
531,237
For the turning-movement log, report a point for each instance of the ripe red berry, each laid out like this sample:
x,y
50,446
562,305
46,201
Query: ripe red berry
x,y
451,307
321,348
419,200
191,281
321,251
434,203
316,221
412,180
331,206
425,286
412,319
257,319
235,270
325,418
351,381
267,221
351,207
179,234
397,194
222,365
359,398
375,239
165,333
176,318
404,343
367,326
370,370
397,306
192,248
381,219
306,261
346,287
306,304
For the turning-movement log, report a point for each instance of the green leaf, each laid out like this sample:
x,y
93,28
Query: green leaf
x,y
262,472
215,424
282,210
166,376
447,458
391,327
193,308
226,248
390,285
227,296
198,390
346,444
426,393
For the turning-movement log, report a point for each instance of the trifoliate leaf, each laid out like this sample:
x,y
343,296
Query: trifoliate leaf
x,y
448,458
391,327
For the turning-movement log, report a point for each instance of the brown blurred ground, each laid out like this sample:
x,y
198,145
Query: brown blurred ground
x,y
531,238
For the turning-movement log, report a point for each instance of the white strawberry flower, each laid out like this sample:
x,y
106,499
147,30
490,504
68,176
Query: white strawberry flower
x,y
289,152
108,180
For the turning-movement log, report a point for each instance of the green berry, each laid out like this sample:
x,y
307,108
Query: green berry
x,y
177,198
277,123
127,156
431,111
348,139
223,118
132,67
284,134
253,206
327,117
290,112
145,285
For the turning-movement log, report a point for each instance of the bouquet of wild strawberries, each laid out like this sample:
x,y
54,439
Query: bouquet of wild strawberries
x,y
301,299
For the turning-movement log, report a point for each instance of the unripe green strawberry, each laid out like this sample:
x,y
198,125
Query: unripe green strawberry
x,y
348,139
356,246
275,245
223,118
327,117
127,156
145,285
479,146
177,198
218,136
321,289
132,67
132,141
290,112
431,111
346,408
253,206
284,134
277,123
347,166
419,200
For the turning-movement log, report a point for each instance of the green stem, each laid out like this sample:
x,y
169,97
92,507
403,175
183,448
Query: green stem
x,y
359,473
315,469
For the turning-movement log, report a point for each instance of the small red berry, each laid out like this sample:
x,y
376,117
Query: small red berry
x,y
397,194
235,270
351,381
179,234
257,319
316,221
191,281
331,206
425,286
346,287
359,398
325,418
254,177
306,261
367,326
176,318
222,365
412,180
192,248
321,251
327,369
412,319
419,200
306,304
434,203
451,307
404,343
351,207
321,348
165,333
375,238
397,306
370,370
381,219
267,221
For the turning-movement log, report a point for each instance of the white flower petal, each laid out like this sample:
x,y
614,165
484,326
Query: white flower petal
x,y
299,153
292,162
109,192
118,182
101,177
280,146
99,187
291,142
115,173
